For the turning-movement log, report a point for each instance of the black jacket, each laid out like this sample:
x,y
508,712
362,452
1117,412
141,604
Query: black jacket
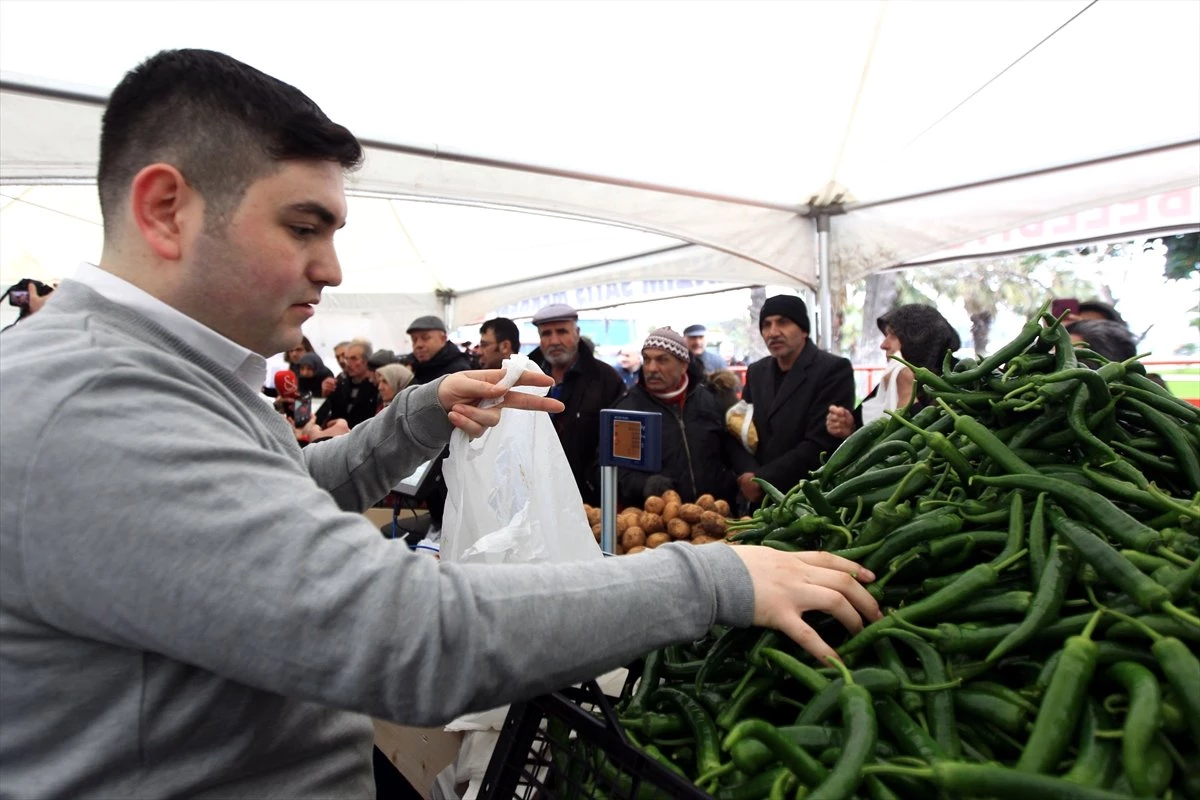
x,y
698,454
448,360
588,386
791,422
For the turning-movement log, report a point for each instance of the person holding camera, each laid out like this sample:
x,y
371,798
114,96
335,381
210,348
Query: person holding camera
x,y
29,296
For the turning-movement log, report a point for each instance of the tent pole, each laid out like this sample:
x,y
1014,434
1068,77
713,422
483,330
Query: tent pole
x,y
824,295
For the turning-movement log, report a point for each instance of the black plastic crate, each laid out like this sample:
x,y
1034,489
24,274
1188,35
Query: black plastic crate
x,y
568,746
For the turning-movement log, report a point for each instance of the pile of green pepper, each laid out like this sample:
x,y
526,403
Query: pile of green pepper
x,y
1035,531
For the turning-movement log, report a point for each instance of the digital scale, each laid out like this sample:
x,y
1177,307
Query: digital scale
x,y
628,440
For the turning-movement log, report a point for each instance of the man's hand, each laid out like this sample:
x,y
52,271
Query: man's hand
x,y
788,584
749,489
328,387
461,392
839,422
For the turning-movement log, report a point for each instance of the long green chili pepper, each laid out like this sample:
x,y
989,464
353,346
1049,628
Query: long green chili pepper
x,y
808,677
708,752
1004,604
942,446
885,649
1051,592
1142,722
1096,760
933,525
961,779
736,708
858,740
794,757
884,477
939,706
991,445
1112,520
1038,547
1177,440
1181,668
975,579
974,705
651,676
1062,703
849,450
1111,566
906,732
1029,333
731,641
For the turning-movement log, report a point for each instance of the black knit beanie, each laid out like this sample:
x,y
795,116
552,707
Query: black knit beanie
x,y
785,305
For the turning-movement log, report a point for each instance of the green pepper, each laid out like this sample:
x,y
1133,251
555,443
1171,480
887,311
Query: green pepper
x,y
858,740
708,753
1047,602
961,779
933,525
1062,703
975,705
1096,759
939,706
849,450
651,676
844,493
1142,722
1177,440
794,757
906,733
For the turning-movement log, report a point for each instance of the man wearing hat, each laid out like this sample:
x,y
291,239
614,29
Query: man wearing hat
x,y
433,354
583,384
699,456
710,361
792,390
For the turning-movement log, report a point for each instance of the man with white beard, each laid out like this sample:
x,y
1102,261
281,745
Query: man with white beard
x,y
583,384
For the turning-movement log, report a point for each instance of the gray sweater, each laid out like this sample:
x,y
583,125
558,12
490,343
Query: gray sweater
x,y
191,605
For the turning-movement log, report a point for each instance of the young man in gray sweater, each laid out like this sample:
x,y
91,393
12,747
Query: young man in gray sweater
x,y
192,606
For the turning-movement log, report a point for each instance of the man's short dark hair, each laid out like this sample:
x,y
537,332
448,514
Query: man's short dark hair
x,y
1106,337
221,123
505,330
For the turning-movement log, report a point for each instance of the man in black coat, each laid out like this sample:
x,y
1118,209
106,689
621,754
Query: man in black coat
x,y
792,390
584,385
434,355
699,456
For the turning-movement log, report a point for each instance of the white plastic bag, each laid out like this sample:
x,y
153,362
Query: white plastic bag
x,y
511,496
739,420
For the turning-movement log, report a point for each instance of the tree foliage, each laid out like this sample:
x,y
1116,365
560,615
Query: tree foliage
x,y
1183,256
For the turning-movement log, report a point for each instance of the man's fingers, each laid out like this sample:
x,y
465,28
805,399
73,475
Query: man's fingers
x,y
836,605
822,558
532,402
851,589
802,634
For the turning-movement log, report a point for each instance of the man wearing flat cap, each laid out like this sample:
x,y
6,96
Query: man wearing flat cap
x,y
584,384
699,456
792,390
433,354
710,361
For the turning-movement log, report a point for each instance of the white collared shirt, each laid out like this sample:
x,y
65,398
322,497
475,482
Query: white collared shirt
x,y
248,366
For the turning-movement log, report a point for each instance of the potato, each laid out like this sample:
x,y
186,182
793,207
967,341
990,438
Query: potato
x,y
633,514
699,530
622,524
633,550
652,523
722,508
670,511
632,537
620,550
706,501
703,540
654,505
671,496
690,512
655,539
596,531
713,524
678,529
593,514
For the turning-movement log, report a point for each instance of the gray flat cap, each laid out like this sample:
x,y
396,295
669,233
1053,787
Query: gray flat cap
x,y
695,330
427,323
555,313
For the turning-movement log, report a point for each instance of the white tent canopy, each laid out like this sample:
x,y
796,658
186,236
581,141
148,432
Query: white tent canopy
x,y
723,131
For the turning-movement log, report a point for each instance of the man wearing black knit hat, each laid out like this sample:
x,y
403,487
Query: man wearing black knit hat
x,y
792,390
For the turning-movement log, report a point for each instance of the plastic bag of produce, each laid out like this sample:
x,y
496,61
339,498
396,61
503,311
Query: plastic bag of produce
x,y
739,420
511,496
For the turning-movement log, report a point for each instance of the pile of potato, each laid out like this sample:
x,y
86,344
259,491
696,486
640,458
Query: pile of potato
x,y
665,519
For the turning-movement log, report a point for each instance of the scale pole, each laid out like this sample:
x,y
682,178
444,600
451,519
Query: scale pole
x,y
608,510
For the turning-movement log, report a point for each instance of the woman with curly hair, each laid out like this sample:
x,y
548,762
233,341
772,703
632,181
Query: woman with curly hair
x,y
921,336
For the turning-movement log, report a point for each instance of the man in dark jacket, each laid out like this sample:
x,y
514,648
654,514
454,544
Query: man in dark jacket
x,y
433,354
792,390
699,456
584,385
355,399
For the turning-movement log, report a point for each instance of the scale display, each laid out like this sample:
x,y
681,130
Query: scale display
x,y
631,439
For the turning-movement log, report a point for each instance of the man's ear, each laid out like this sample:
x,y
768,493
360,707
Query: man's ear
x,y
163,206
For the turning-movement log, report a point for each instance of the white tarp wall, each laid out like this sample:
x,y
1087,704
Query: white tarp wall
x,y
933,124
